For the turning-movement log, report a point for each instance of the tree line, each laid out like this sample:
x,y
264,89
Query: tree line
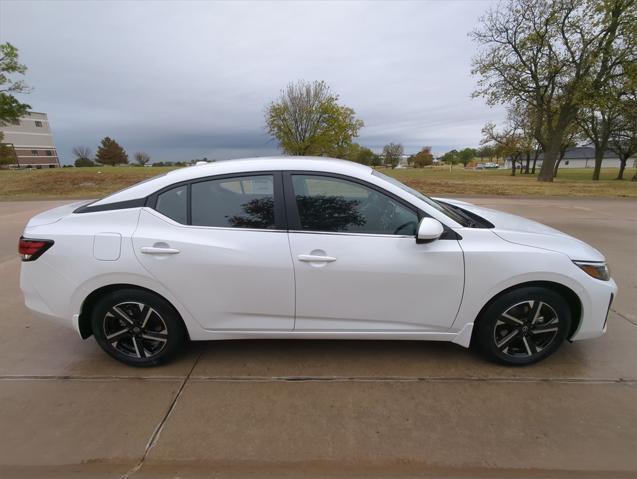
x,y
108,153
567,72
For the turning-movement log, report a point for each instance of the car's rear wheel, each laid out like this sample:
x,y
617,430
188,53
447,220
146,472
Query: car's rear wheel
x,y
137,327
523,326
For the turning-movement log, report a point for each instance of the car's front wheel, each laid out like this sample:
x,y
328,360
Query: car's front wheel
x,y
137,327
523,326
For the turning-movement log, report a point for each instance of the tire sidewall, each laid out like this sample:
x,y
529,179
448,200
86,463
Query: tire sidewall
x,y
174,325
486,323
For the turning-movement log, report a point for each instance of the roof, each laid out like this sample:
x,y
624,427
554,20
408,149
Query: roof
x,y
583,153
246,165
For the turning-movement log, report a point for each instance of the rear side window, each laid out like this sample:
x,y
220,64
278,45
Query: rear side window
x,y
174,204
239,202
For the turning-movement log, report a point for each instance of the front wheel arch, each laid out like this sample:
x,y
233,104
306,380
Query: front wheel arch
x,y
84,321
574,303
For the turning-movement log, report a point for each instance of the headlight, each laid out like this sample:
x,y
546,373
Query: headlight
x,y
596,270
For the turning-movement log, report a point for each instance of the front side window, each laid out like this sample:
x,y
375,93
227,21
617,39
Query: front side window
x,y
174,204
337,205
454,215
38,123
239,202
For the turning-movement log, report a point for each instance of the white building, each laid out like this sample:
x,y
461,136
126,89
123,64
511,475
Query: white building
x,y
32,142
582,157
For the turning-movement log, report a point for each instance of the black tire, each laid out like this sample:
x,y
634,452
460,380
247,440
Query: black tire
x,y
541,317
137,327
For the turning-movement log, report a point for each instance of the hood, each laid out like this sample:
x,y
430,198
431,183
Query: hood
x,y
523,231
55,214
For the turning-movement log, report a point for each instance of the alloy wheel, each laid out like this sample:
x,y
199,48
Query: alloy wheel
x,y
526,328
135,330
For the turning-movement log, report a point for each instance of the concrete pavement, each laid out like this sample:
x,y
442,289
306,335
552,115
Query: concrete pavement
x,y
325,408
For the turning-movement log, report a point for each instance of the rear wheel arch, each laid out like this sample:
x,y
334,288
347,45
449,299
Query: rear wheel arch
x,y
84,322
573,300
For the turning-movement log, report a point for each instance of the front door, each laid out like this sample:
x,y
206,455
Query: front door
x,y
357,264
225,258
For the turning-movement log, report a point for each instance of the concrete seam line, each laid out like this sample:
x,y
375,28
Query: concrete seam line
x,y
623,317
387,379
363,379
154,437
26,377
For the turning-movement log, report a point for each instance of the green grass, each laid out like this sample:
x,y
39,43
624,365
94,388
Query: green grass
x,y
569,182
72,183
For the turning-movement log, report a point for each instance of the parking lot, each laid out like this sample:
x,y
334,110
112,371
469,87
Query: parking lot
x,y
325,408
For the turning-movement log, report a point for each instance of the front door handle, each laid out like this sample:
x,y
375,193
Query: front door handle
x,y
158,250
310,258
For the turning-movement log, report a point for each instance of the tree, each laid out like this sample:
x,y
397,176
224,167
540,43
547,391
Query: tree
x,y
507,143
569,141
550,55
623,138
361,154
142,158
485,151
10,108
392,154
597,121
307,119
7,153
451,157
467,155
110,153
84,162
422,158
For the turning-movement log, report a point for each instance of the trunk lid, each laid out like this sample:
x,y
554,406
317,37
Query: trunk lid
x,y
55,214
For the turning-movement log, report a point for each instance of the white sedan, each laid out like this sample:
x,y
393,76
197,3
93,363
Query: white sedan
x,y
307,248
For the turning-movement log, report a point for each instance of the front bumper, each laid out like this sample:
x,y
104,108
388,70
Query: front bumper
x,y
596,303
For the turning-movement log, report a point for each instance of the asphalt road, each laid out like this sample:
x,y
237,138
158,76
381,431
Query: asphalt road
x,y
325,408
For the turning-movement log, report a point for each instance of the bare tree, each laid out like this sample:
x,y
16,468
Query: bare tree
x,y
141,158
82,152
551,55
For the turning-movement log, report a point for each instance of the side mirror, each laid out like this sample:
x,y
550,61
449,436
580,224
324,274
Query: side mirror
x,y
429,230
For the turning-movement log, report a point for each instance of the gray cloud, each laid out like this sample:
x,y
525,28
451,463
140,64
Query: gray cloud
x,y
182,80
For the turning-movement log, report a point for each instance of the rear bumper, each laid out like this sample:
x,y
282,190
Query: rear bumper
x,y
30,284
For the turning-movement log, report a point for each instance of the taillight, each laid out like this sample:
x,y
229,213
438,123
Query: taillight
x,y
32,249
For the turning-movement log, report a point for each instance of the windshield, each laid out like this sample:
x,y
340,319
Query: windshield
x,y
458,218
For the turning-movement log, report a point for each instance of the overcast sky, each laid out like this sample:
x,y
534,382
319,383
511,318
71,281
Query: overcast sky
x,y
184,80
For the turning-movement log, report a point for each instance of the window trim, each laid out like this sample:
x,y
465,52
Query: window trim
x,y
286,217
280,223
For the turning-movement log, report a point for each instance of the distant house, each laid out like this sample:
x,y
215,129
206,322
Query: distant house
x,y
32,142
582,157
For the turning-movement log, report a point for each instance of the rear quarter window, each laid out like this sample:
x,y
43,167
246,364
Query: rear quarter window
x,y
174,204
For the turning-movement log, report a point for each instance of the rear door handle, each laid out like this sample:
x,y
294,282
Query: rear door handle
x,y
309,258
158,250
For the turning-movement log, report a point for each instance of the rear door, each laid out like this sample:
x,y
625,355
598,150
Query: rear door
x,y
220,246
357,264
